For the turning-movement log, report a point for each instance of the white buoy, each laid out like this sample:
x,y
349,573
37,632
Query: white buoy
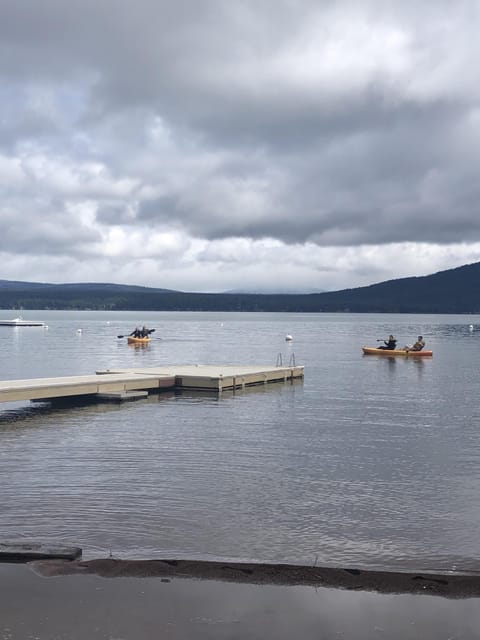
x,y
288,337
79,331
471,327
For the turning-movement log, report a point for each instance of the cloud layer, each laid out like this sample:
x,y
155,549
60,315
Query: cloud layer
x,y
283,144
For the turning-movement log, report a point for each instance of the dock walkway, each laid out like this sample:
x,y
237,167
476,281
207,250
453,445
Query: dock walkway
x,y
122,381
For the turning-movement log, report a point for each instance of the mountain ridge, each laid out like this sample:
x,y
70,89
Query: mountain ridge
x,y
454,290
18,284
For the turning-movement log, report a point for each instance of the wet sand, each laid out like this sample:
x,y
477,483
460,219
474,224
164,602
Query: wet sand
x,y
147,600
452,585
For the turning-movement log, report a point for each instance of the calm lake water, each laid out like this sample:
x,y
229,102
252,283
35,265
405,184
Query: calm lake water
x,y
369,461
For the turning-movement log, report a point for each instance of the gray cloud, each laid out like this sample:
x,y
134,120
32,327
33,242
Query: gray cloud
x,y
314,125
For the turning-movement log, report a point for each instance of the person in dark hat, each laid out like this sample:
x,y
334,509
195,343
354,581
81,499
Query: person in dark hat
x,y
390,344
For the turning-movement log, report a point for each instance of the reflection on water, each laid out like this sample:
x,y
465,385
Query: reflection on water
x,y
372,461
206,610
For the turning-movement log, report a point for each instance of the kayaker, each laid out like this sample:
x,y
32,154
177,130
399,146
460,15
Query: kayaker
x,y
390,344
418,346
136,333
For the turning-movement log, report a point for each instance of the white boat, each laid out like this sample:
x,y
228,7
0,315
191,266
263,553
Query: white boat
x,y
20,322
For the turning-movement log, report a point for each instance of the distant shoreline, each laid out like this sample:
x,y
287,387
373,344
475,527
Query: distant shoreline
x,y
451,291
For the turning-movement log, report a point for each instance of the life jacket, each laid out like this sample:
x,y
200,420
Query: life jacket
x,y
418,346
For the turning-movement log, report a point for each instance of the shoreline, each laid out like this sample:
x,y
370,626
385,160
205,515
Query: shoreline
x,y
185,600
451,585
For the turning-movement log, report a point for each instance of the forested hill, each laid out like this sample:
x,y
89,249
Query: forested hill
x,y
452,291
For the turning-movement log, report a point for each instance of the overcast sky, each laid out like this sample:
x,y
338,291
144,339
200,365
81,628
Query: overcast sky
x,y
212,145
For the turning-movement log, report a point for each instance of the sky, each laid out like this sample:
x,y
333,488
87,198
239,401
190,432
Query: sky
x,y
238,145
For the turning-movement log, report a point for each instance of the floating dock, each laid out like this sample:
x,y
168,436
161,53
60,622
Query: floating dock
x,y
73,386
125,384
216,377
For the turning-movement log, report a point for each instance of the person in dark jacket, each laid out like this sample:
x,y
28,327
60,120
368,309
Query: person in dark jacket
x,y
390,344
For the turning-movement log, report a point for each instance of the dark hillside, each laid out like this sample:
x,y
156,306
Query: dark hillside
x,y
19,285
452,291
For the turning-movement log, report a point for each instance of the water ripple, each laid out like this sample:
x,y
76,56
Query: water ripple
x,y
369,462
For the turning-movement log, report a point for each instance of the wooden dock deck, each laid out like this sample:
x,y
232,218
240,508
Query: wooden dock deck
x,y
218,377
72,386
122,381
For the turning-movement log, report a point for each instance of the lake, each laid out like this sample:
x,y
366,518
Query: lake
x,y
370,461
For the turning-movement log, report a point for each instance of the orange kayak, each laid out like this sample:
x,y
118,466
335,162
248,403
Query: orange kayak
x,y
374,351
132,340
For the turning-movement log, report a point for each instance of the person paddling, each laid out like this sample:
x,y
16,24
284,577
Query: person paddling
x,y
138,333
390,344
